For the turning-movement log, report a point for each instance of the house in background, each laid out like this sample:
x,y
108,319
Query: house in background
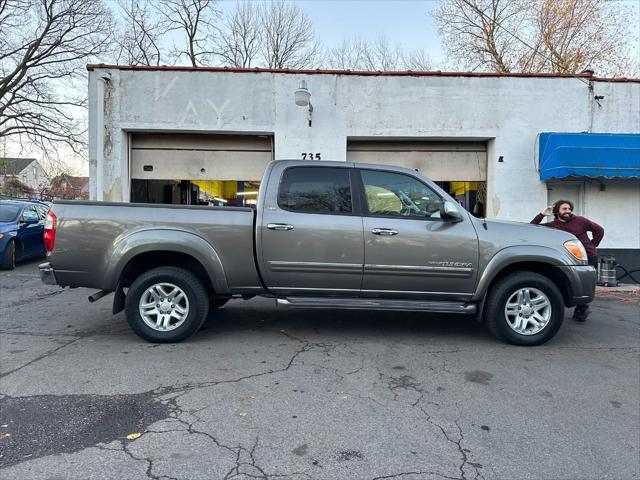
x,y
22,177
68,187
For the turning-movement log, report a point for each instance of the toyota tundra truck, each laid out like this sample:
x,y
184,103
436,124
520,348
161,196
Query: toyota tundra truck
x,y
333,235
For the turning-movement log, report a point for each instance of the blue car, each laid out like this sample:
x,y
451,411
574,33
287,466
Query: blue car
x,y
21,231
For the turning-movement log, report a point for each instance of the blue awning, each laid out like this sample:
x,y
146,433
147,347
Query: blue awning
x,y
594,155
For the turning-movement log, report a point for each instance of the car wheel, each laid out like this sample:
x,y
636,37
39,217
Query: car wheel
x,y
524,308
166,305
9,257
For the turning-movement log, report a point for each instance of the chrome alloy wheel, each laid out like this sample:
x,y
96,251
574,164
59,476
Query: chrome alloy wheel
x,y
164,307
528,311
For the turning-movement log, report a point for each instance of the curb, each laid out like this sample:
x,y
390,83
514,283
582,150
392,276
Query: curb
x,y
622,292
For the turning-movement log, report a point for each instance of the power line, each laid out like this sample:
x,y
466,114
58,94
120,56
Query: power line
x,y
534,50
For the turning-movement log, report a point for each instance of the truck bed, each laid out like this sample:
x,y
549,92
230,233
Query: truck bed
x,y
90,236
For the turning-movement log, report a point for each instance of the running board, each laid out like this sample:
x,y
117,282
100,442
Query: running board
x,y
377,304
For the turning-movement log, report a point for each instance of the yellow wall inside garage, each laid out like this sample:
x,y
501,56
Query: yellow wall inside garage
x,y
218,188
459,188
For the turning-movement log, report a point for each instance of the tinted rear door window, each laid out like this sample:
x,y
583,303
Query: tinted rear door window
x,y
316,190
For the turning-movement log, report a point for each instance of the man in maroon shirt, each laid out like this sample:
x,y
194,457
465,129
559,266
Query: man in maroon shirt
x,y
579,226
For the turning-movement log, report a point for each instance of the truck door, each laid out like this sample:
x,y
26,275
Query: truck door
x,y
409,250
310,238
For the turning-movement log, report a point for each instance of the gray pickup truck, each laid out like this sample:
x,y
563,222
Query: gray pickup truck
x,y
324,235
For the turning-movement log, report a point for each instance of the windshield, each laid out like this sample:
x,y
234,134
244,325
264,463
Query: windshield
x,y
8,213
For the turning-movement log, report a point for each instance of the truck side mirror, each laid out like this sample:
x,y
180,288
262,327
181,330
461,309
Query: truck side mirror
x,y
450,212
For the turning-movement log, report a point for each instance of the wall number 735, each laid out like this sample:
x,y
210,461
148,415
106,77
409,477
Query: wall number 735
x,y
311,156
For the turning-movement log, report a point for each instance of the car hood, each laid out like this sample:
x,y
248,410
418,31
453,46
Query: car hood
x,y
520,233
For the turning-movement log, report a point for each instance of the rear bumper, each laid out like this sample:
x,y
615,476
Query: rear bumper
x,y
582,283
47,275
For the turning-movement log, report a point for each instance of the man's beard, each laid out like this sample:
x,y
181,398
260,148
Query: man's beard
x,y
566,216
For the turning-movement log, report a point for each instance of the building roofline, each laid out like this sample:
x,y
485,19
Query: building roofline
x,y
403,73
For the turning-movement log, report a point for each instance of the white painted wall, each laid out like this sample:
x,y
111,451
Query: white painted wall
x,y
508,112
617,209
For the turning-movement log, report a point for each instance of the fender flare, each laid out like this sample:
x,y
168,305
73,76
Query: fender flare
x,y
126,248
516,254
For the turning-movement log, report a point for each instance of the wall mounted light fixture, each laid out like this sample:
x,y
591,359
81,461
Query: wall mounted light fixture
x,y
303,98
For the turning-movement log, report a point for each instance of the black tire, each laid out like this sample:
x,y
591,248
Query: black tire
x,y
503,289
194,291
9,257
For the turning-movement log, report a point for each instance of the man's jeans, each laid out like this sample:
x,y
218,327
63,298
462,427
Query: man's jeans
x,y
581,310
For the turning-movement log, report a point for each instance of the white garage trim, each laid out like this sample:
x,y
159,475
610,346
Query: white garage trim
x,y
199,157
440,161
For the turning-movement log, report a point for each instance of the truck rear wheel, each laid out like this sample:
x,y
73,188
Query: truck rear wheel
x,y
166,305
524,308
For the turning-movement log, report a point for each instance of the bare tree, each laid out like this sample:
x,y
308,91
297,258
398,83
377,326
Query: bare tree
x,y
195,19
44,47
288,37
273,34
139,34
418,61
344,57
476,32
537,35
360,54
578,34
238,44
380,55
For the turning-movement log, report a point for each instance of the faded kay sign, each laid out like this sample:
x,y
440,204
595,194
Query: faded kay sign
x,y
193,108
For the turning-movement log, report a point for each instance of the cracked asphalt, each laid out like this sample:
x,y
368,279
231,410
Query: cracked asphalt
x,y
268,393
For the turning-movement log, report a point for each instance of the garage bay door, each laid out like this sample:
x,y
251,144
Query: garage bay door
x,y
440,161
199,157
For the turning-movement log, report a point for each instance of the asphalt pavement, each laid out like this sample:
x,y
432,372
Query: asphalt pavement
x,y
268,393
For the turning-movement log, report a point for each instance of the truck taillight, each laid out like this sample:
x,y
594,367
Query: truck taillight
x,y
50,231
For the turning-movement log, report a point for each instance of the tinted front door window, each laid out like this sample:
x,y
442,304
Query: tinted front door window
x,y
395,194
315,190
30,214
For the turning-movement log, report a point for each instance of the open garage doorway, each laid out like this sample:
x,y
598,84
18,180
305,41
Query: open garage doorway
x,y
198,169
459,167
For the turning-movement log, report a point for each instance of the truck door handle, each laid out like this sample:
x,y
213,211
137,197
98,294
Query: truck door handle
x,y
279,226
387,232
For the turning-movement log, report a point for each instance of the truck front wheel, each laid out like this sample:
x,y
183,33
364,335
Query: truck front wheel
x,y
524,308
166,305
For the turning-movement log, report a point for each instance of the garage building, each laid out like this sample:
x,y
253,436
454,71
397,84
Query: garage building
x,y
204,136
